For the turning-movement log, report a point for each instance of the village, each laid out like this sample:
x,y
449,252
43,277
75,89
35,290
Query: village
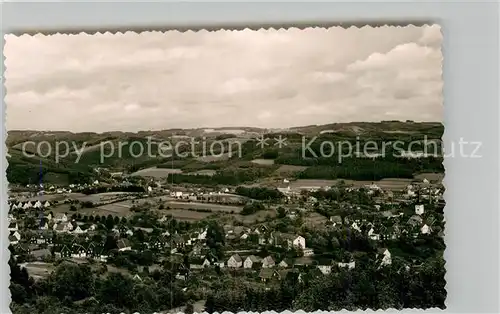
x,y
303,233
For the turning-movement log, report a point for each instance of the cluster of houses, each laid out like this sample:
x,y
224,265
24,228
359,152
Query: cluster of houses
x,y
29,205
413,226
193,243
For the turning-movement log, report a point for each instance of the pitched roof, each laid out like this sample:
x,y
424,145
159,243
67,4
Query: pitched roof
x,y
268,259
237,258
123,243
381,250
266,273
254,259
336,219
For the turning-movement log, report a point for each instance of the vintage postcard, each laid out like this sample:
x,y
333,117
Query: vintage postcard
x,y
231,170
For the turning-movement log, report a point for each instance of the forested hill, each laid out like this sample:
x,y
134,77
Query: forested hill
x,y
43,164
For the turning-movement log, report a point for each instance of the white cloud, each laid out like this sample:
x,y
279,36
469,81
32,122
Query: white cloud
x,y
226,78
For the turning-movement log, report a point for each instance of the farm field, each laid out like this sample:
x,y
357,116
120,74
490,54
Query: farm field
x,y
120,209
39,270
184,214
46,197
289,169
156,172
315,219
229,198
310,183
385,184
430,176
260,216
207,206
213,158
203,172
100,197
264,162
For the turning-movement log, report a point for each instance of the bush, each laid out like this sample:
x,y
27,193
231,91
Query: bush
x,y
252,208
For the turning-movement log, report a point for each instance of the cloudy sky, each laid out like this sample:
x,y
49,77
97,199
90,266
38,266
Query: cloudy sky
x,y
265,78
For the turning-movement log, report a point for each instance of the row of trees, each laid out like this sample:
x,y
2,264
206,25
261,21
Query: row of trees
x,y
233,176
365,287
259,193
74,288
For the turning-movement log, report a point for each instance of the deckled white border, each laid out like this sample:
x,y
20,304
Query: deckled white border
x,y
470,49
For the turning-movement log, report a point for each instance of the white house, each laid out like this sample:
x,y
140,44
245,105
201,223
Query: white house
x,y
78,230
283,264
46,204
294,241
268,262
206,263
45,225
176,194
372,235
419,209
350,265
61,217
325,269
426,229
355,227
78,251
62,227
202,235
251,261
336,220
386,257
234,261
38,204
308,252
374,187
299,242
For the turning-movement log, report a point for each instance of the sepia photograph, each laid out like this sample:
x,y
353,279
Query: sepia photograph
x,y
228,170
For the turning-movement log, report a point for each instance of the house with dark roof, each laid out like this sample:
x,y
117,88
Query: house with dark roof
x,y
14,237
13,226
124,245
267,274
